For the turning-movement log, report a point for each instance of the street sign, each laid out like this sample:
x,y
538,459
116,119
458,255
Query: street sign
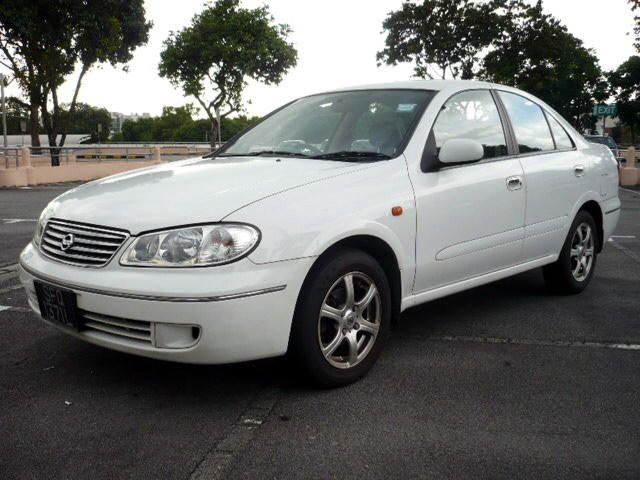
x,y
604,110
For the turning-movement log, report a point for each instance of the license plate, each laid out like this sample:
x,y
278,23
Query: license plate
x,y
58,305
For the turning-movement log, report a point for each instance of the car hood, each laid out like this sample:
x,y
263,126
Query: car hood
x,y
190,191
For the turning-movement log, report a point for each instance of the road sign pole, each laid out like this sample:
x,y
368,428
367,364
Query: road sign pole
x,y
604,125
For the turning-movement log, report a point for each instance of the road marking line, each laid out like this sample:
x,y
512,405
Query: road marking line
x,y
18,220
5,308
622,236
541,342
629,190
218,461
625,250
8,271
10,289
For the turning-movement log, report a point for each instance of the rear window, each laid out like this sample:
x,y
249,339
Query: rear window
x,y
559,134
529,123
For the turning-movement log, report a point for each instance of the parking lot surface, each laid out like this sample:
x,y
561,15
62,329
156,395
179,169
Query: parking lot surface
x,y
503,381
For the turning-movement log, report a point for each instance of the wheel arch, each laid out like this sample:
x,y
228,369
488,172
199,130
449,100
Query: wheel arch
x,y
381,251
594,209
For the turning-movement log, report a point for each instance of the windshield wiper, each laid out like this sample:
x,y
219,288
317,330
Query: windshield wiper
x,y
348,155
281,153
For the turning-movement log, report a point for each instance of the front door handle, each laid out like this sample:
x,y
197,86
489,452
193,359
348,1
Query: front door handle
x,y
578,170
514,183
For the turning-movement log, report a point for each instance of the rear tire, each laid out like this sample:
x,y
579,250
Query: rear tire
x,y
573,270
342,318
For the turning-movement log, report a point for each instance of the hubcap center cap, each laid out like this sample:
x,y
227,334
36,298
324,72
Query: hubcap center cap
x,y
349,319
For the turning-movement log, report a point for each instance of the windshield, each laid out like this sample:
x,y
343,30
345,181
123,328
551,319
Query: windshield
x,y
367,124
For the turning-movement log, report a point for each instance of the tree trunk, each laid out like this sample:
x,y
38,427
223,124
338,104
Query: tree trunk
x,y
55,155
72,106
215,132
219,123
34,124
49,126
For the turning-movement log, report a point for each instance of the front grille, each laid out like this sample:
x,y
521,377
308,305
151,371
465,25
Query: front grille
x,y
134,330
91,246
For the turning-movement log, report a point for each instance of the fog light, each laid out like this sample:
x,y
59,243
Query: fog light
x,y
171,335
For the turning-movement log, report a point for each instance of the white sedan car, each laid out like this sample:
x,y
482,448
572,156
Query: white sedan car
x,y
312,231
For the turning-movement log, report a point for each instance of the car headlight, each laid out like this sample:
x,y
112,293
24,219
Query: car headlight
x,y
197,246
42,222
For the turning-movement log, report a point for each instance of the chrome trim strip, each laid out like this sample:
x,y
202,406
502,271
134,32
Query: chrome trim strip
x,y
156,298
86,226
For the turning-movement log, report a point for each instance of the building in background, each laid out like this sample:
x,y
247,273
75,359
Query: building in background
x,y
612,123
117,119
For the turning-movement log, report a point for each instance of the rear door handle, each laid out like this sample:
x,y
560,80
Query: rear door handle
x,y
578,170
514,183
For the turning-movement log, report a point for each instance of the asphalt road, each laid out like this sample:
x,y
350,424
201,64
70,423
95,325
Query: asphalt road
x,y
503,381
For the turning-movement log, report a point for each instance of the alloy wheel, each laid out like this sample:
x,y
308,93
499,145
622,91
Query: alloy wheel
x,y
582,252
349,320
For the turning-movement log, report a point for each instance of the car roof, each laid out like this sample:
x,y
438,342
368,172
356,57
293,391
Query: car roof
x,y
418,84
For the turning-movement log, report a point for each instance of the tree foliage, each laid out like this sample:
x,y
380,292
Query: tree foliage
x,y
635,7
177,124
17,111
536,53
441,37
42,42
625,86
85,119
506,41
224,46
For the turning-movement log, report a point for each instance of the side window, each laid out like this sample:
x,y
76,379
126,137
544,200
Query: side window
x,y
472,115
563,140
529,123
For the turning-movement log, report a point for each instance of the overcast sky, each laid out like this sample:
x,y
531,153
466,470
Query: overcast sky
x,y
337,41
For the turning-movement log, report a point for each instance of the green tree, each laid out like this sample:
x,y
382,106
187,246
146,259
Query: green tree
x,y
140,130
85,119
536,53
223,47
17,111
635,6
42,42
232,126
625,86
177,124
441,37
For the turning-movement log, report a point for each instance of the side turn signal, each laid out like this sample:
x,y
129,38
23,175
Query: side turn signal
x,y
396,211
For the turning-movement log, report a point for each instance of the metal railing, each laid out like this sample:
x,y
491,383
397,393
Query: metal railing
x,y
12,157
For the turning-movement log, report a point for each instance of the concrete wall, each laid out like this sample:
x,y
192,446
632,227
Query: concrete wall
x,y
630,173
27,174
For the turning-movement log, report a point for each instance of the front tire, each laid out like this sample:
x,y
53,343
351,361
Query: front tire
x,y
573,270
342,318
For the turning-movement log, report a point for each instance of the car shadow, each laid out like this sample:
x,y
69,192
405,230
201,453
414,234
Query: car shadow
x,y
138,374
510,294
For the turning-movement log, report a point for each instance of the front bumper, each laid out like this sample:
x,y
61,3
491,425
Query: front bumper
x,y
236,312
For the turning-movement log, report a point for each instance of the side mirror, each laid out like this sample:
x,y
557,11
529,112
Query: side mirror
x,y
461,150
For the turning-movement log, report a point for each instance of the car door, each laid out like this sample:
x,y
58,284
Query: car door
x,y
470,217
554,174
